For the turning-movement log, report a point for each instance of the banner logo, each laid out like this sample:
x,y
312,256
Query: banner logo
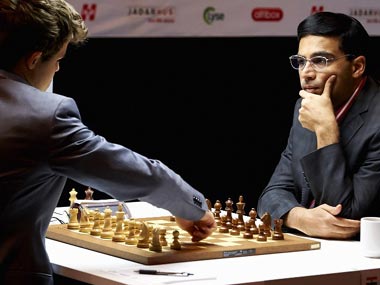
x,y
88,12
154,14
316,9
267,14
209,15
367,15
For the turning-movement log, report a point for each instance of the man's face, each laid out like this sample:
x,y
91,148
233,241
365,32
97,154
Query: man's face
x,y
314,81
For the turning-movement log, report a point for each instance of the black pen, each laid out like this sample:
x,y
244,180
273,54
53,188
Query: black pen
x,y
156,272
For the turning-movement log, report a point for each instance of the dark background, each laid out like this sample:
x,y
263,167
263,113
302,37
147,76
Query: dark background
x,y
216,110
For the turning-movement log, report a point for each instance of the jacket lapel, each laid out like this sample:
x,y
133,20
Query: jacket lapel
x,y
353,121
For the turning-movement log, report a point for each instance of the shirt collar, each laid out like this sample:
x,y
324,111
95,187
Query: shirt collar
x,y
342,111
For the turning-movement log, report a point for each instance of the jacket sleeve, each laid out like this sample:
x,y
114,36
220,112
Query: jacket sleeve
x,y
281,194
88,158
334,181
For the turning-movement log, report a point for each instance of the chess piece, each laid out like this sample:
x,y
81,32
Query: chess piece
x,y
138,227
155,244
252,221
101,219
91,216
163,240
267,224
240,212
96,229
143,240
89,193
229,210
85,224
73,221
262,236
113,222
278,234
176,245
73,197
234,231
119,235
247,233
131,239
223,227
107,232
217,210
120,213
150,229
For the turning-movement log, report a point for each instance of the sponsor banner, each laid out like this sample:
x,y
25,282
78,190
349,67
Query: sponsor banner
x,y
185,18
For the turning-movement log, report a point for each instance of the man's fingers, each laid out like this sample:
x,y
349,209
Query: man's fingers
x,y
302,93
329,86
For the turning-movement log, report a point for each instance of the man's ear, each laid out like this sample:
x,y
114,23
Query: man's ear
x,y
358,66
32,59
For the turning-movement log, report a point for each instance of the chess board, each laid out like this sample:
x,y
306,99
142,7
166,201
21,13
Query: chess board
x,y
218,245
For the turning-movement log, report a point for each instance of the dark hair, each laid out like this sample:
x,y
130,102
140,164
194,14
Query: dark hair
x,y
354,39
37,25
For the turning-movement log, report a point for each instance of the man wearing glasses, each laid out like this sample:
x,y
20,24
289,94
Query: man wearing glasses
x,y
328,176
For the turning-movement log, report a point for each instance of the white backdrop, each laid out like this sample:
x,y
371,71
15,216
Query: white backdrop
x,y
183,18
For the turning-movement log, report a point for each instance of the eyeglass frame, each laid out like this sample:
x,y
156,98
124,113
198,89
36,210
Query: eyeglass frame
x,y
313,65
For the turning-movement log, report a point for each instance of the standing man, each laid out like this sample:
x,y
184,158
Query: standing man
x,y
328,176
43,142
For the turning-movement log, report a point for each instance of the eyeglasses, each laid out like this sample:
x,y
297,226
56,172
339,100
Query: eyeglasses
x,y
318,63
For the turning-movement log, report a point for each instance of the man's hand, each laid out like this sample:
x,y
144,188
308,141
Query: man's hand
x,y
317,114
198,229
322,222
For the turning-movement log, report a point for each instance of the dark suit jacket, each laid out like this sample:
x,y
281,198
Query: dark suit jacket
x,y
42,142
347,173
